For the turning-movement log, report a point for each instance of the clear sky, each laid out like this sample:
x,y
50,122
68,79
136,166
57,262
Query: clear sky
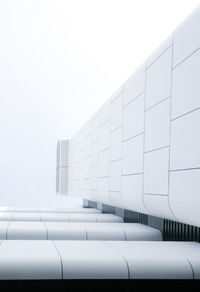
x,y
59,61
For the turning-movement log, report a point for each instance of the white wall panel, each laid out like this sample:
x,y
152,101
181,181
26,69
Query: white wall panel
x,y
132,161
115,175
116,199
186,37
94,178
159,51
103,193
135,85
185,141
118,92
158,206
186,86
116,144
158,79
104,136
94,128
156,166
94,153
104,159
134,118
104,113
157,126
146,134
132,192
116,113
184,195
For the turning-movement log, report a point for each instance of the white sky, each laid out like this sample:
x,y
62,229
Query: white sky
x,y
59,61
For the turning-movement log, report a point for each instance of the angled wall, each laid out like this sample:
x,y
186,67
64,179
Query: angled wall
x,y
62,167
141,150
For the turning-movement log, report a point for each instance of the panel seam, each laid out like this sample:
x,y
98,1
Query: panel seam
x,y
61,263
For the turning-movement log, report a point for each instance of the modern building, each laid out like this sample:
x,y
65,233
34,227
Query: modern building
x,y
136,164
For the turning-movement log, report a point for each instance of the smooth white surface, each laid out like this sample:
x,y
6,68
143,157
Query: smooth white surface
x,y
62,69
115,175
108,218
104,113
154,96
27,230
26,216
99,259
103,191
3,229
184,191
116,199
157,126
133,123
20,260
185,144
158,79
94,178
135,85
156,167
94,153
116,144
91,260
186,87
6,216
54,217
66,231
104,163
132,192
116,113
186,37
152,260
160,50
104,231
104,136
132,161
136,231
158,205
94,218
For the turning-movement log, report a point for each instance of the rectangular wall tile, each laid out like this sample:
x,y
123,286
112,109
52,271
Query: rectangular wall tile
x,y
116,113
104,159
187,37
132,192
132,161
94,153
158,206
118,92
103,193
185,141
159,51
156,167
104,113
116,199
135,85
186,86
158,79
94,128
104,136
184,195
157,126
94,178
116,144
115,175
134,118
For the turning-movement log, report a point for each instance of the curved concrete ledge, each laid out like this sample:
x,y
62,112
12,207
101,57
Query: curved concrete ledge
x,y
80,210
61,217
98,260
77,231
